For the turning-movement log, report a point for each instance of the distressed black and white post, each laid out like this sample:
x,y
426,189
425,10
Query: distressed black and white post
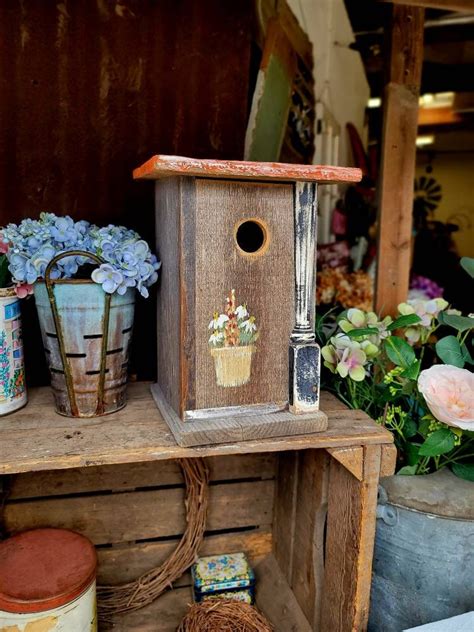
x,y
304,351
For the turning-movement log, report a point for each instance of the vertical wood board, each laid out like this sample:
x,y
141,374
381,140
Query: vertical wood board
x,y
398,158
168,310
264,282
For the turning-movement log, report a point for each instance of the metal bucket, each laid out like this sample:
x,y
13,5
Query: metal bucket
x,y
423,562
86,336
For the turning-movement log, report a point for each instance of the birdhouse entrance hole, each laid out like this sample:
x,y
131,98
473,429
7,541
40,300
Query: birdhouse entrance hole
x,y
251,236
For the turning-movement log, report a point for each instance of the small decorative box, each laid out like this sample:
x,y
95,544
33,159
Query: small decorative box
x,y
225,576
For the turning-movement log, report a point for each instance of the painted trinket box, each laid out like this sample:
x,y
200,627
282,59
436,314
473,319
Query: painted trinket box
x,y
237,355
224,576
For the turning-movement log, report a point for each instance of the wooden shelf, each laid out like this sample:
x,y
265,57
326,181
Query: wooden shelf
x,y
36,438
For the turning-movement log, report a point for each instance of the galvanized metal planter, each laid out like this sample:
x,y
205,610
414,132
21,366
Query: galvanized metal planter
x,y
423,560
12,371
86,336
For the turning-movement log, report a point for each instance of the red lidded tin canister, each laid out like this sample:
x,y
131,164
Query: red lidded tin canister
x,y
48,575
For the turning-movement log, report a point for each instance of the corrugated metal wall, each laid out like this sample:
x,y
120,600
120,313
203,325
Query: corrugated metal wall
x,y
92,88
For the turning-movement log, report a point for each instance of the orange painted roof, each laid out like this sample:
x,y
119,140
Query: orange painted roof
x,y
165,166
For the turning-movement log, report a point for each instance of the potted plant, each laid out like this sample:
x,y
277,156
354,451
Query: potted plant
x,y
12,369
413,374
84,280
232,343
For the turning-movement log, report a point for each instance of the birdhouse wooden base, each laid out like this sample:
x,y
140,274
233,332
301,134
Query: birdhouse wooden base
x,y
237,356
236,425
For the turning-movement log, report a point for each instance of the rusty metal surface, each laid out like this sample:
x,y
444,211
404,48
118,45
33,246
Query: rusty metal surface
x,y
92,88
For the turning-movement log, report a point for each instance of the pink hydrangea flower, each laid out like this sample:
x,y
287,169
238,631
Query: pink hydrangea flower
x,y
3,246
449,394
345,357
23,290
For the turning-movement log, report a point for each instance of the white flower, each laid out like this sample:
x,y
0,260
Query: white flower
x,y
249,325
241,312
218,321
216,338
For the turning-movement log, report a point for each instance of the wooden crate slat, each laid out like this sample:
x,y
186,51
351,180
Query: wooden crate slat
x,y
349,544
163,615
309,532
125,563
36,438
276,599
123,517
141,475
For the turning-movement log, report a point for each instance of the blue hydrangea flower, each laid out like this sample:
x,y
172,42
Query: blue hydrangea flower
x,y
108,277
33,243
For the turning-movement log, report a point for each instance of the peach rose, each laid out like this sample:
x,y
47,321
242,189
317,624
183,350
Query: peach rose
x,y
449,393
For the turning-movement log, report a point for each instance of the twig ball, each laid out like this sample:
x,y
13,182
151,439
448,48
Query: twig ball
x,y
224,615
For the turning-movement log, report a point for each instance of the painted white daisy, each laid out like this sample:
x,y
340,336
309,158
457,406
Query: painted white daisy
x,y
216,338
249,325
241,312
218,321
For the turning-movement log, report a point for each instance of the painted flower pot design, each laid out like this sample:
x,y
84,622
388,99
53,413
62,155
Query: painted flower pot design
x,y
232,343
233,365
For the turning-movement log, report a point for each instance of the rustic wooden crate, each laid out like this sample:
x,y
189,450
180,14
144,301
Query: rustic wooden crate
x,y
302,507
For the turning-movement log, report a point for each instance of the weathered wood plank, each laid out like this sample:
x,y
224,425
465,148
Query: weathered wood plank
x,y
398,158
286,488
129,516
463,6
389,460
136,475
216,431
309,533
161,166
276,600
351,458
127,562
163,615
36,438
349,545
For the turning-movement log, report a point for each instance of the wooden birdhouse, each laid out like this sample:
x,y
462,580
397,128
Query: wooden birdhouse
x,y
237,357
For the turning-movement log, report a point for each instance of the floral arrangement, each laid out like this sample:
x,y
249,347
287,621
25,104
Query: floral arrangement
x,y
335,285
235,327
32,244
410,375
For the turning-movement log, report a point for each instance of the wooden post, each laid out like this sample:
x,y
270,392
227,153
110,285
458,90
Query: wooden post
x,y
304,351
398,157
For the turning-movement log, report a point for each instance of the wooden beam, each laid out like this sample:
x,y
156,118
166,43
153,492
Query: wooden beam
x,y
398,157
464,6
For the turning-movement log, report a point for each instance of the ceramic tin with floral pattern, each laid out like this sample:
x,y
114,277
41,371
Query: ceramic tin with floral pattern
x,y
218,574
12,370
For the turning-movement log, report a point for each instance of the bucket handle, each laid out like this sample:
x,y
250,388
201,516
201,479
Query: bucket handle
x,y
57,323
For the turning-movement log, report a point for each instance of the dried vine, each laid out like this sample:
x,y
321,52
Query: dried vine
x,y
133,595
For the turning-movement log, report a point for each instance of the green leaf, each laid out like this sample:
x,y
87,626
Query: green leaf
x,y
362,331
424,426
404,321
461,323
410,428
440,442
4,274
407,470
468,265
464,470
466,355
412,371
449,351
399,351
412,453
